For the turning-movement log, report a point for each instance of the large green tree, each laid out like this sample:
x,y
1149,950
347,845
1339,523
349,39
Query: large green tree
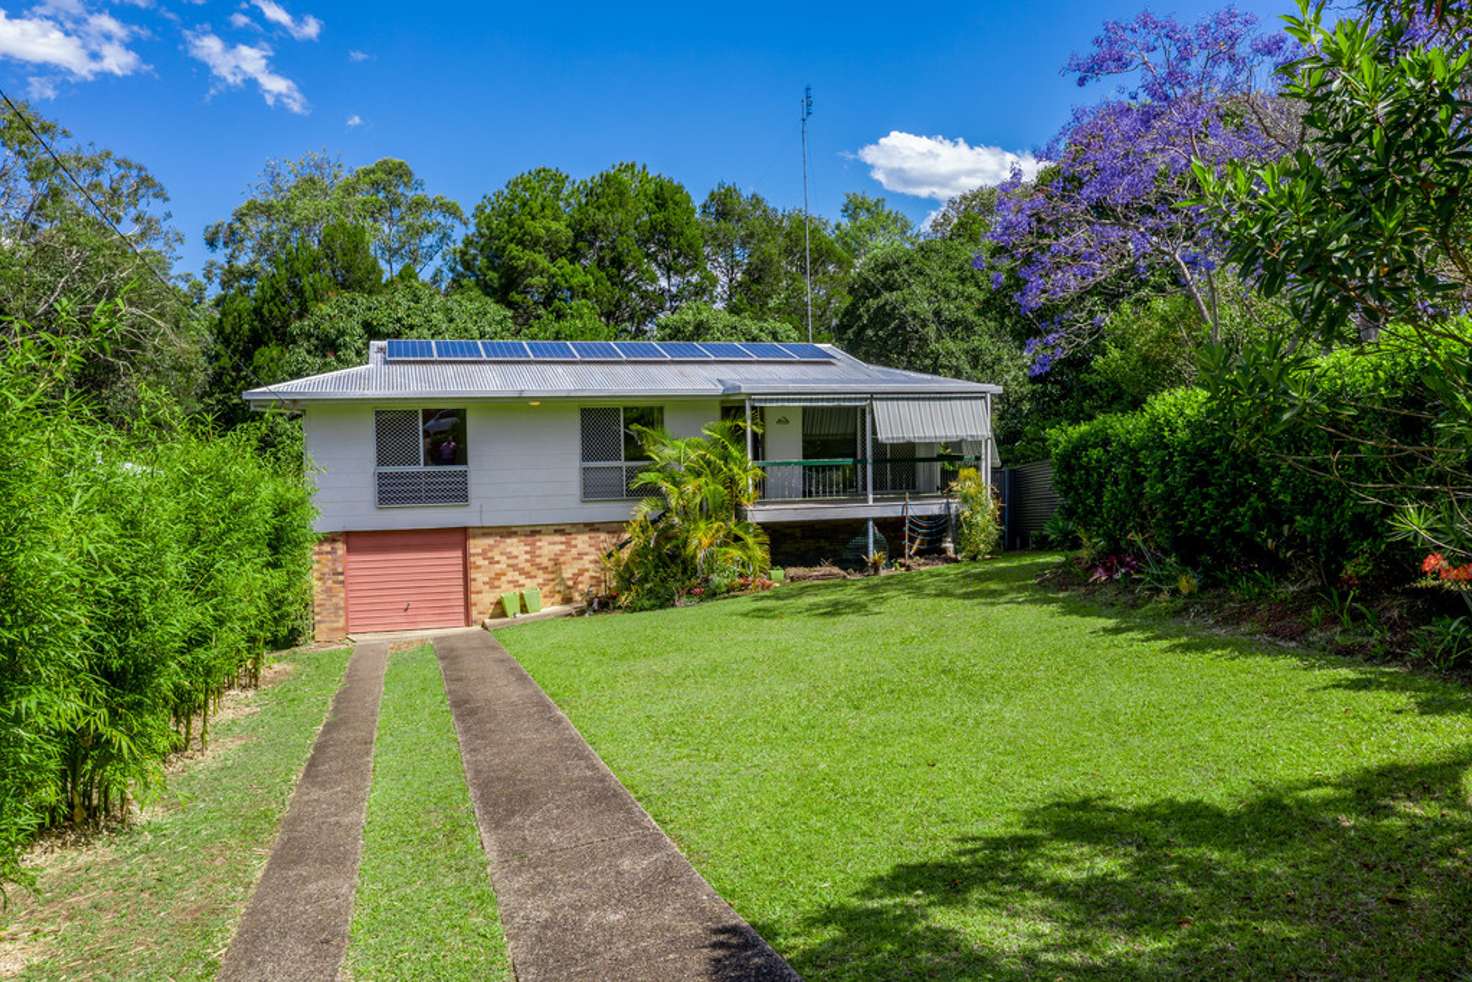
x,y
868,224
60,261
621,247
411,228
296,200
254,331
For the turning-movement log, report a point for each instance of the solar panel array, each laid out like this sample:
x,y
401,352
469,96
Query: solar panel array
x,y
608,351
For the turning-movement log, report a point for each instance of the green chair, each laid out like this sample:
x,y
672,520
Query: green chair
x,y
511,603
532,598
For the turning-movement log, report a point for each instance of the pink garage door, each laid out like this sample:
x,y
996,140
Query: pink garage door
x,y
404,580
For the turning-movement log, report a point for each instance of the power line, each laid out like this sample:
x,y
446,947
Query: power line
x,y
101,213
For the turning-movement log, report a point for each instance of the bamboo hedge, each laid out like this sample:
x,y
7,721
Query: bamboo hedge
x,y
142,573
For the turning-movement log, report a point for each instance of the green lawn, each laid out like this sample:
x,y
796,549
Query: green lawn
x,y
424,907
955,773
160,900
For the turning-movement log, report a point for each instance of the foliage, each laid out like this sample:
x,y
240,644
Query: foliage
x,y
1103,221
925,309
296,201
411,228
192,859
1228,485
1367,226
1158,800
59,262
146,572
967,216
257,316
702,322
868,224
624,245
979,527
335,332
688,538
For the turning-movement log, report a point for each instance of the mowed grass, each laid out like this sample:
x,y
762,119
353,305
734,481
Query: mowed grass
x,y
161,899
958,774
424,907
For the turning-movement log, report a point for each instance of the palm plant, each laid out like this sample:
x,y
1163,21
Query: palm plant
x,y
687,537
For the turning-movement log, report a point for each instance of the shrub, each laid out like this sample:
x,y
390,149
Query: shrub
x,y
979,528
1205,482
687,539
144,572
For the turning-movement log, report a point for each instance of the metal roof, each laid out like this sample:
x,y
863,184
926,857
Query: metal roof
x,y
382,380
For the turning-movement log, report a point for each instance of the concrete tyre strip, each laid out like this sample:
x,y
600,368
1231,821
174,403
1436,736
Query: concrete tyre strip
x,y
588,885
296,925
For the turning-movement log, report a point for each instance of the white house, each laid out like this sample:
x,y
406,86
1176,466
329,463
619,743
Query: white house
x,y
450,471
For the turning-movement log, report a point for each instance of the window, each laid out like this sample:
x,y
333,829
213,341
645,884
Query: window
x,y
611,452
422,457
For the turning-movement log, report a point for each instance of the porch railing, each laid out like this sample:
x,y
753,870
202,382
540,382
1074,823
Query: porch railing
x,y
846,477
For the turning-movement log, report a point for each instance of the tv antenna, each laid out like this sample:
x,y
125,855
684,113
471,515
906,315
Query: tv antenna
x,y
807,248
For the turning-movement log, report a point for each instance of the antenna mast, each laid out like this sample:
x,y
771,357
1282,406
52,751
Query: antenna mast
x,y
807,249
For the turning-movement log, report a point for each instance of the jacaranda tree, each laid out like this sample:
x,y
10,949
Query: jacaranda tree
x,y
1104,222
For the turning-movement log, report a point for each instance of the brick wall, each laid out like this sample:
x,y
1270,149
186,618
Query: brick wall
x,y
329,596
563,561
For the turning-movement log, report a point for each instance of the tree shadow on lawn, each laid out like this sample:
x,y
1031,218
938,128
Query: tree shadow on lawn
x,y
1366,874
1012,579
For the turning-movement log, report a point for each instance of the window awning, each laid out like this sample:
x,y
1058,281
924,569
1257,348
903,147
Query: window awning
x,y
930,420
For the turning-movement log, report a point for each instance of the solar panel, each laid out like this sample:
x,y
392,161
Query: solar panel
x,y
683,349
640,350
767,351
726,350
808,352
550,350
503,349
596,350
457,349
409,349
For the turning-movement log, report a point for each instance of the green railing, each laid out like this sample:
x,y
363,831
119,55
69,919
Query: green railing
x,y
847,477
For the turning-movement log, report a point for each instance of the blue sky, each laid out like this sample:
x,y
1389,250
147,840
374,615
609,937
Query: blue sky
x,y
203,93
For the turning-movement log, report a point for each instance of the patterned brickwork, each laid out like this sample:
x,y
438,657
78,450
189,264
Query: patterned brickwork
x,y
563,561
329,595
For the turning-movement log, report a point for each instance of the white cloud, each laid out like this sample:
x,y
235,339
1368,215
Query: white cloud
x,y
355,120
244,23
356,55
234,64
64,35
40,88
305,29
939,168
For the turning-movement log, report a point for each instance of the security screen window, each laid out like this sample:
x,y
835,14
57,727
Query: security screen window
x,y
649,417
443,432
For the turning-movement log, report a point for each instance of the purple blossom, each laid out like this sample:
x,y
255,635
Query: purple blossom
x,y
1112,214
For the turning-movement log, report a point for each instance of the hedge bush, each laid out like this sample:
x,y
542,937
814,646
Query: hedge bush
x,y
1220,487
142,573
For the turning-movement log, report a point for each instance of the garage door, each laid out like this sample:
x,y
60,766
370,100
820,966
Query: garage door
x,y
404,580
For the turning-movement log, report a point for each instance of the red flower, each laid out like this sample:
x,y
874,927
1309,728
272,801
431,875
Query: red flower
x,y
1433,562
1457,574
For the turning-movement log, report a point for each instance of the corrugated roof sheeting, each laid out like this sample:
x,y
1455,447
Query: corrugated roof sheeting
x,y
929,420
516,379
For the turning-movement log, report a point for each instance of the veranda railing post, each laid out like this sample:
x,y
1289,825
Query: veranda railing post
x,y
748,444
869,469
